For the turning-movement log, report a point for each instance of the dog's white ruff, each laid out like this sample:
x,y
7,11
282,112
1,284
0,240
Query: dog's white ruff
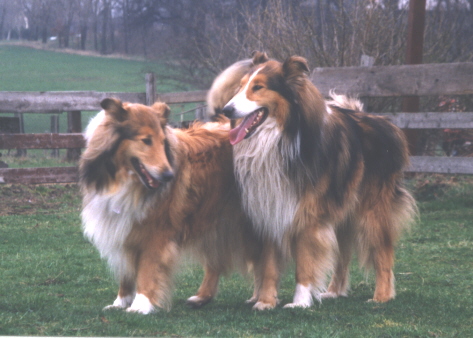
x,y
269,197
107,220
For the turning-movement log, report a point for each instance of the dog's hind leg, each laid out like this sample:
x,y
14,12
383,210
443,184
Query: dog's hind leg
x,y
207,290
384,262
376,249
339,284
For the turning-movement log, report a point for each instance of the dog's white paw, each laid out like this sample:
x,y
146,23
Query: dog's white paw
x,y
260,306
302,297
197,301
330,295
120,303
297,305
141,304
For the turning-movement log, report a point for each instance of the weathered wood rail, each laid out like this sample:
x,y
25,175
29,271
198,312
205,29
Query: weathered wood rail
x,y
384,81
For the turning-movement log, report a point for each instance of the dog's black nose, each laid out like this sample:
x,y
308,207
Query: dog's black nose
x,y
228,111
167,176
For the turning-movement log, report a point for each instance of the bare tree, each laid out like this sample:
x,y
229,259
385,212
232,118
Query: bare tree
x,y
65,11
39,13
124,7
96,9
84,13
3,16
106,15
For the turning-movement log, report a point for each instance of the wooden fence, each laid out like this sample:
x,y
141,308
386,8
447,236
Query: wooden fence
x,y
382,81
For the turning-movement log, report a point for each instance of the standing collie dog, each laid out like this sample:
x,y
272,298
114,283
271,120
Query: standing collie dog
x,y
150,191
318,178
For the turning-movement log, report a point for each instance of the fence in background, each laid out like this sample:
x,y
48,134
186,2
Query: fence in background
x,y
381,81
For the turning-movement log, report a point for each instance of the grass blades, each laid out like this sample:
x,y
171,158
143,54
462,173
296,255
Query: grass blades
x,y
54,283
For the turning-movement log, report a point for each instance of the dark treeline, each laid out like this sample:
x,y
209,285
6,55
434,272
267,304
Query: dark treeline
x,y
200,37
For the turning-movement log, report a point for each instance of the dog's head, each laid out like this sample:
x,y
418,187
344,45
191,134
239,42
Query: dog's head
x,y
127,141
272,89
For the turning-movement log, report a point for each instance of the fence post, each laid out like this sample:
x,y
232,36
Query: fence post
x,y
150,89
55,130
21,152
74,125
414,54
200,114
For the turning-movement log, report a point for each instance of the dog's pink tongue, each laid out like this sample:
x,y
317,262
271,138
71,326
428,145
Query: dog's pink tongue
x,y
238,133
153,183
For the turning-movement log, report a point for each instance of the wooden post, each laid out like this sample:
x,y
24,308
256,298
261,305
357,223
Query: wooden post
x,y
74,125
414,53
199,113
151,93
54,130
21,152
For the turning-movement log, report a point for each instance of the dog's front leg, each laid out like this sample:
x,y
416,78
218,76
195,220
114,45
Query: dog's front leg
x,y
126,293
314,248
154,275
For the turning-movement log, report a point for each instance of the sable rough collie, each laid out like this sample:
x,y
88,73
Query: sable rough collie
x,y
150,191
318,178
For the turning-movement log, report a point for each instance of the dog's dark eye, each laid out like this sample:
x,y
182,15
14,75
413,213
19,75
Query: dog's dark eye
x,y
257,87
147,141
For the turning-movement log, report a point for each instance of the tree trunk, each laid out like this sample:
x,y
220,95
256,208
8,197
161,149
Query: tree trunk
x,y
103,47
83,36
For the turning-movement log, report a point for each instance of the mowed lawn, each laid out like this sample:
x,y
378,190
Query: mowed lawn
x,y
54,283
28,69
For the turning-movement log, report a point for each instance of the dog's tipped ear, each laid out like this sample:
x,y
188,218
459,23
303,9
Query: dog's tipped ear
x,y
259,57
163,111
114,108
295,66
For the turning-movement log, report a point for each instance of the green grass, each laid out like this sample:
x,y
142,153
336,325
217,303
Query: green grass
x,y
28,69
54,283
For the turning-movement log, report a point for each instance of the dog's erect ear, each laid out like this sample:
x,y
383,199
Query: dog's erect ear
x,y
294,67
163,111
259,57
114,108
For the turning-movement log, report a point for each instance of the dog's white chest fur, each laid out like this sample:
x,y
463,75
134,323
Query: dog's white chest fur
x,y
107,220
268,196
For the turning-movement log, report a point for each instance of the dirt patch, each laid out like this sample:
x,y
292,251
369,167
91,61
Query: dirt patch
x,y
19,199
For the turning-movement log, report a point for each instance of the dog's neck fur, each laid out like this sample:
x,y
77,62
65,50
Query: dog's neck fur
x,y
262,176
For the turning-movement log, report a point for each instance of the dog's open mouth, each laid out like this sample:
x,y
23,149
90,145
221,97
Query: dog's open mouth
x,y
249,125
148,180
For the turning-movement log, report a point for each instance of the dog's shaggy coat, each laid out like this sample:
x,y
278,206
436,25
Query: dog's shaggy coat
x,y
150,191
318,178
